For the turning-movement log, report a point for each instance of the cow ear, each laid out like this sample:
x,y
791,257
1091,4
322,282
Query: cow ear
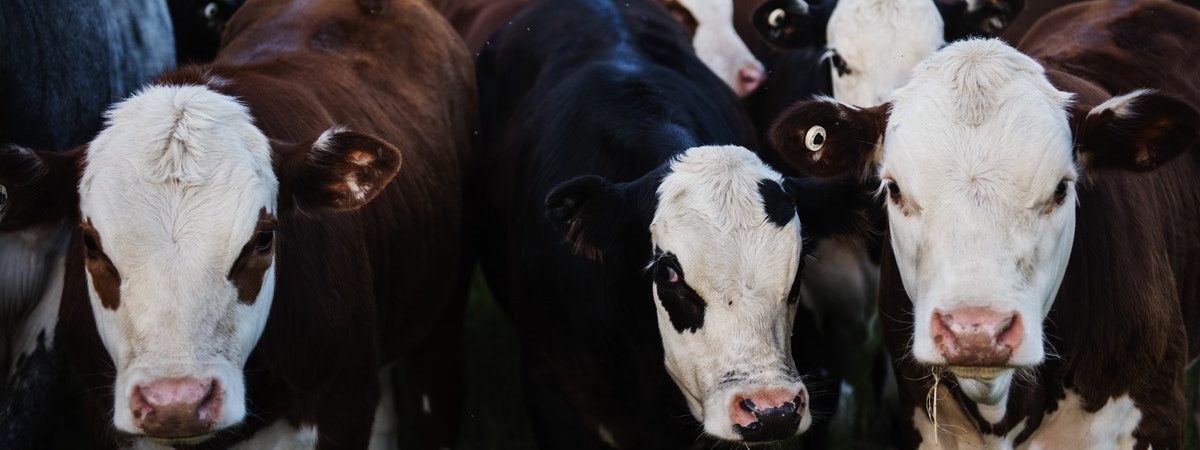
x,y
594,215
826,138
789,24
832,207
982,18
1138,131
340,170
37,187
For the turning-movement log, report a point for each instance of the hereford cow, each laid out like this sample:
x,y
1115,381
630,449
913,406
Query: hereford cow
x,y
873,45
255,239
1039,292
61,63
627,232
709,23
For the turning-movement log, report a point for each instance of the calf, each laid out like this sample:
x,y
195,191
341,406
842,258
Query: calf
x,y
709,23
1039,292
623,237
247,256
124,44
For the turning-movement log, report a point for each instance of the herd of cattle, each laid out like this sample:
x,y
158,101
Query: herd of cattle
x,y
870,222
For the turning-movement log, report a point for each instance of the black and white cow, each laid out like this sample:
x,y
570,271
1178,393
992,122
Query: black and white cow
x,y
628,232
61,63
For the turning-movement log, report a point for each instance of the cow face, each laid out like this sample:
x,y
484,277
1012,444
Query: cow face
x,y
179,201
726,251
717,44
979,170
873,45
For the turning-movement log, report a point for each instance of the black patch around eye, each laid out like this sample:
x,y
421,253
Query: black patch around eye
x,y
777,204
684,306
840,65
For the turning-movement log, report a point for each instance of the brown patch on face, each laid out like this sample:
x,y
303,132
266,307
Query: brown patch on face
x,y
684,16
251,265
1025,266
105,278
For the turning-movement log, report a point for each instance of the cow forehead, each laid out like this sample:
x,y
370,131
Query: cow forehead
x,y
712,216
979,111
178,167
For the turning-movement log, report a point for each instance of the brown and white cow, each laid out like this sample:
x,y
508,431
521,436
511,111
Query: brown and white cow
x,y
257,238
1040,290
709,23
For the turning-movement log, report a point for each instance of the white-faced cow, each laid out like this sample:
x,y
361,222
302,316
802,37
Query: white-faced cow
x,y
51,100
873,45
251,246
623,239
1039,292
709,23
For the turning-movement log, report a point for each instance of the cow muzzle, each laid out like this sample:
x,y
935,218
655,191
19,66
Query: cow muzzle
x,y
971,338
176,408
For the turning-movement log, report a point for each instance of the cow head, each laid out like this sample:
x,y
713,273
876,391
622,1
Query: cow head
x,y
979,166
874,44
717,44
727,247
179,198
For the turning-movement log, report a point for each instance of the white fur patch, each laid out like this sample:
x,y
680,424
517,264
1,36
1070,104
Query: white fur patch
x,y
711,217
717,42
174,186
881,41
40,325
1121,104
385,428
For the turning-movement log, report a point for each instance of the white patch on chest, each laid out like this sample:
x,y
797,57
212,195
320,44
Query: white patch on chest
x,y
384,431
1067,428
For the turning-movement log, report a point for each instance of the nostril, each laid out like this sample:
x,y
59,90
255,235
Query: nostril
x,y
748,405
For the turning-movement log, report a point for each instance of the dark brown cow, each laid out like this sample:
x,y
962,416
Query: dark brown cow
x,y
259,237
1039,291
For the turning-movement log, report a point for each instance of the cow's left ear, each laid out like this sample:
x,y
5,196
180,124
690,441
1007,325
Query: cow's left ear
x,y
595,215
832,207
340,170
982,18
1138,131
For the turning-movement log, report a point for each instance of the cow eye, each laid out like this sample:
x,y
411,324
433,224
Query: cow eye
x,y
89,244
264,240
815,138
1060,192
667,273
894,192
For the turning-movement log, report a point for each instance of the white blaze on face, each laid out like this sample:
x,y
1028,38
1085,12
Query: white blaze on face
x,y
731,333
174,187
980,152
720,48
880,42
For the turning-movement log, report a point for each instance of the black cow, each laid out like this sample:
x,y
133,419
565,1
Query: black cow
x,y
624,236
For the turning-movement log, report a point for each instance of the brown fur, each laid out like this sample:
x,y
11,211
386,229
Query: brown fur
x,y
354,289
252,263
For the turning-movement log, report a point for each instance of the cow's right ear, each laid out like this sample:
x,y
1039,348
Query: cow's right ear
x,y
37,187
824,137
340,170
594,215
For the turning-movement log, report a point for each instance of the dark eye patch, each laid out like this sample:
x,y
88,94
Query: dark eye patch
x,y
255,258
684,306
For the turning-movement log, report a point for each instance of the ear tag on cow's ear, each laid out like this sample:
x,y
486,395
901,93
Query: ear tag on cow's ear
x,y
814,140
775,19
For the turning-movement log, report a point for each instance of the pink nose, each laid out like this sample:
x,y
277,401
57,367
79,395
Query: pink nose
x,y
176,407
976,336
748,80
768,414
